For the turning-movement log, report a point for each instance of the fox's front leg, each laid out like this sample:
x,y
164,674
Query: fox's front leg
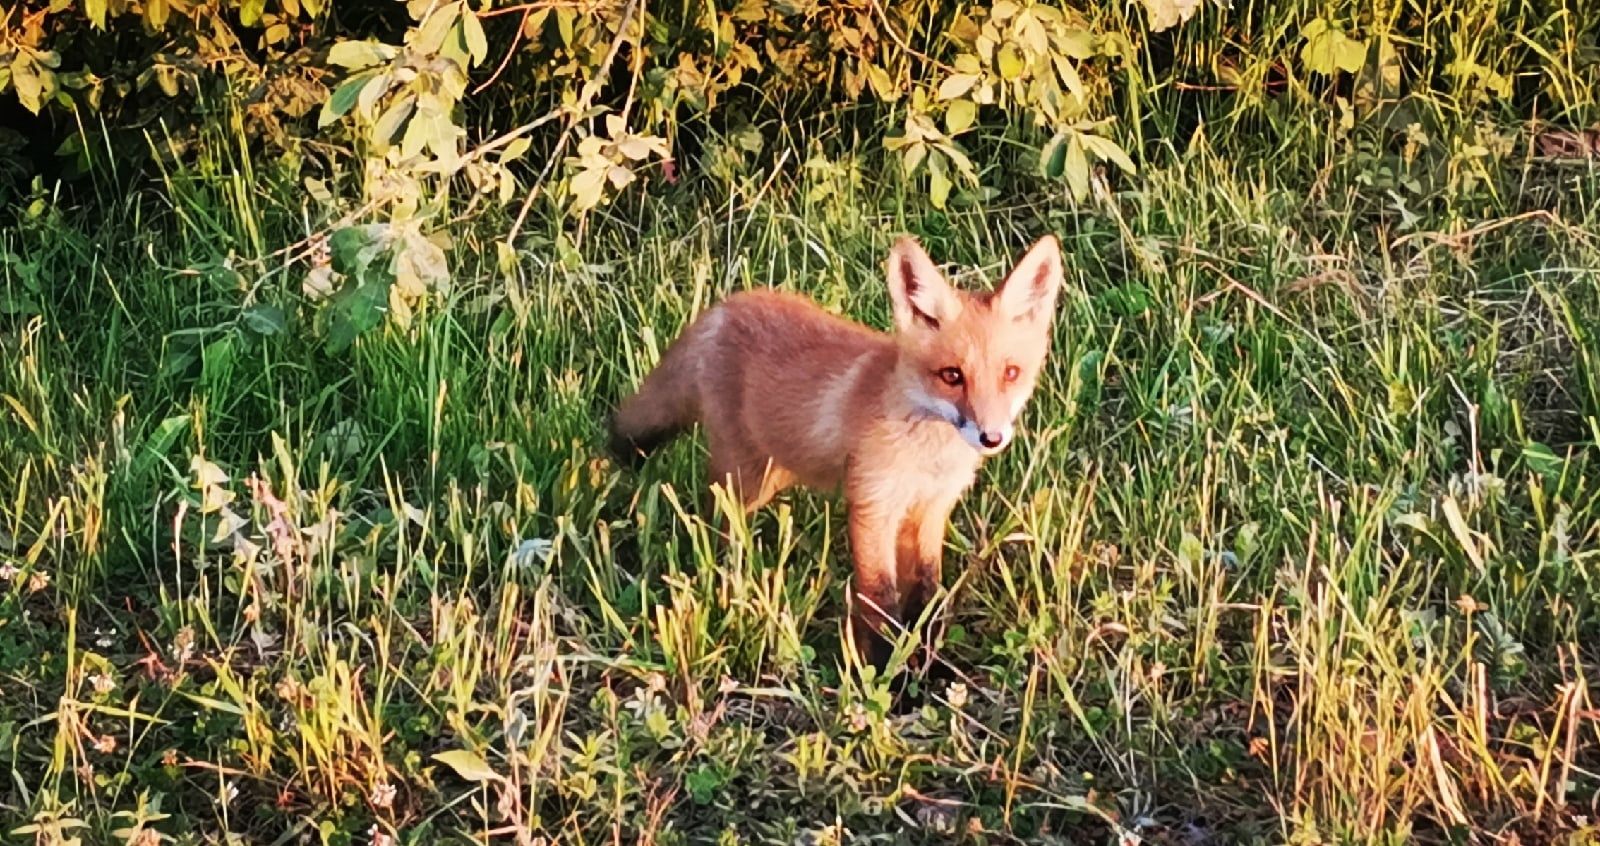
x,y
875,608
920,558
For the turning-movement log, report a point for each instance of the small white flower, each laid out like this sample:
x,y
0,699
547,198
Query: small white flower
x,y
958,695
531,551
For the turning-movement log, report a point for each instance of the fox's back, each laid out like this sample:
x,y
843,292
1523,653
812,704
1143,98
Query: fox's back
x,y
780,376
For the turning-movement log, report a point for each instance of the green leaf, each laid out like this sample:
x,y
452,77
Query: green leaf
x,y
264,319
1052,159
355,310
96,10
704,784
468,765
1542,460
158,444
960,116
359,54
344,97
353,248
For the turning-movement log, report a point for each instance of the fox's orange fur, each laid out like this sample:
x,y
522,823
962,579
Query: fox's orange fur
x,y
789,393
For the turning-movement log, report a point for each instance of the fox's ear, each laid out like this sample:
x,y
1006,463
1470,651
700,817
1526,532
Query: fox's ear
x,y
1030,290
920,294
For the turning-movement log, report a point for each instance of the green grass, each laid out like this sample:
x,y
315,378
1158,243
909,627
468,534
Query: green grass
x,y
1299,544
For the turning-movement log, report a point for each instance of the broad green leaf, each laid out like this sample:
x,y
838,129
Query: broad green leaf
x,y
1542,460
468,765
960,116
359,54
356,309
96,11
1052,159
156,446
344,97
352,248
265,319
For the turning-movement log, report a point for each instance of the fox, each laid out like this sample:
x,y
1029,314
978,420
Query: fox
x,y
788,393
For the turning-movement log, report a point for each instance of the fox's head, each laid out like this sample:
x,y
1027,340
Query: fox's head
x,y
972,359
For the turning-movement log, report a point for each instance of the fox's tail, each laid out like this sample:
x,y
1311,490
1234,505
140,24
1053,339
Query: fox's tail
x,y
666,404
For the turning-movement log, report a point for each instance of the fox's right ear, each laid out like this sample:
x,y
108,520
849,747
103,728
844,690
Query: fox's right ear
x,y
920,294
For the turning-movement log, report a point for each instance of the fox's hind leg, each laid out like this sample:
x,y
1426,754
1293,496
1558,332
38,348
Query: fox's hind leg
x,y
751,480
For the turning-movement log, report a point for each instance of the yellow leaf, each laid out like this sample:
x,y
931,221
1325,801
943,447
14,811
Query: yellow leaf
x,y
586,188
960,116
468,765
1010,61
957,84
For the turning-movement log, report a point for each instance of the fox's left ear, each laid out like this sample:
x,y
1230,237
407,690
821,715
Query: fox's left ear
x,y
1029,292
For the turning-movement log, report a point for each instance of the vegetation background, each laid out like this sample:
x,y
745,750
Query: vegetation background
x,y
310,313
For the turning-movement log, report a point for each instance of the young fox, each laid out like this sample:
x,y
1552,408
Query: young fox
x,y
787,393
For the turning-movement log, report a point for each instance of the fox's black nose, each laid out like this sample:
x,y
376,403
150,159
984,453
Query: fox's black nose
x,y
990,440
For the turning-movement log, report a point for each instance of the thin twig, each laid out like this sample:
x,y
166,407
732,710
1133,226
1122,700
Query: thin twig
x,y
516,41
901,42
590,89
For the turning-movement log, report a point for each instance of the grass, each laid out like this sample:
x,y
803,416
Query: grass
x,y
1298,544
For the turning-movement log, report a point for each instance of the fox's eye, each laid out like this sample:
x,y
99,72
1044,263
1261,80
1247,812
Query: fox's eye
x,y
1012,372
951,376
